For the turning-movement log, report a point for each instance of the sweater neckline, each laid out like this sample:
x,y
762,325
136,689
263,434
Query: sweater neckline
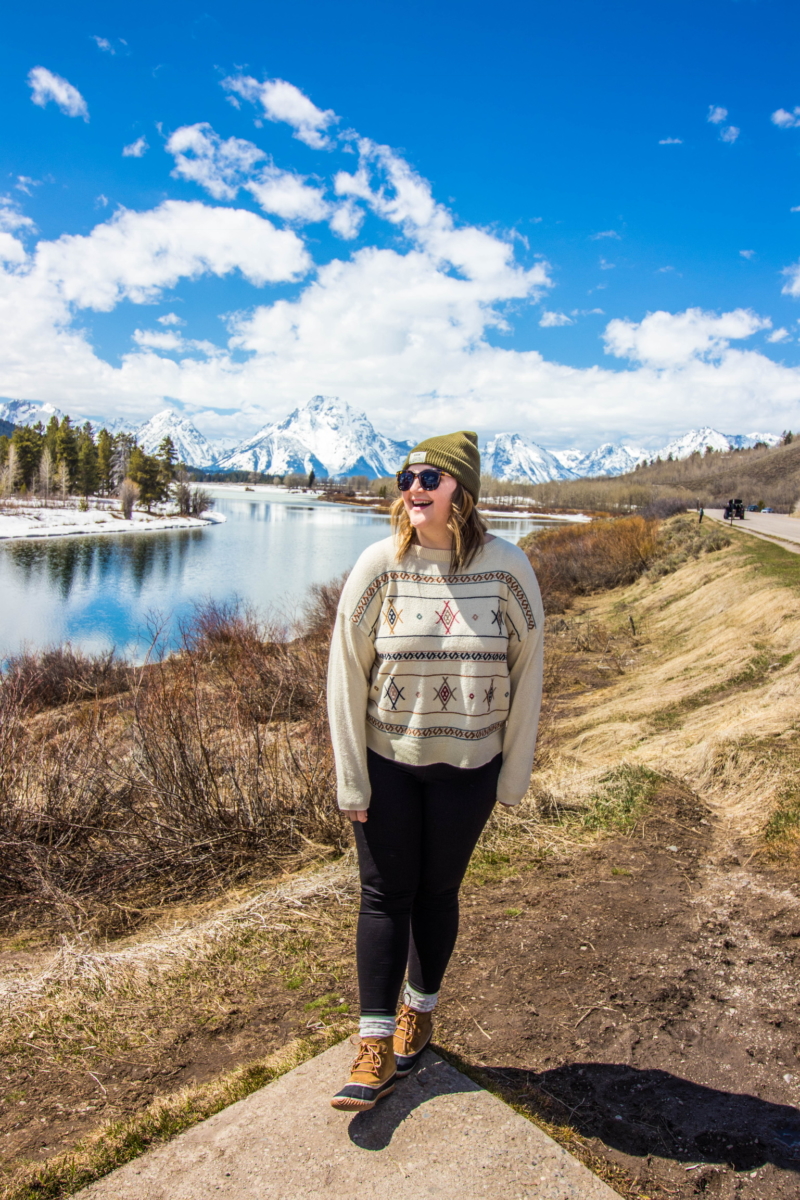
x,y
436,556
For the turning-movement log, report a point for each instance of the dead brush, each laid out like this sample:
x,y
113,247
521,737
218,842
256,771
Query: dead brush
x,y
580,559
61,674
215,766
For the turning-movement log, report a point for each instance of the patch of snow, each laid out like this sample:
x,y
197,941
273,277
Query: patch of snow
x,y
21,520
27,412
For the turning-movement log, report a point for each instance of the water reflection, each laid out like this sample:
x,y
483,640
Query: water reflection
x,y
103,591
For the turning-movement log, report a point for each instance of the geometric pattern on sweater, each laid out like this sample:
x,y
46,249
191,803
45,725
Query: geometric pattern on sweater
x,y
449,581
437,731
442,655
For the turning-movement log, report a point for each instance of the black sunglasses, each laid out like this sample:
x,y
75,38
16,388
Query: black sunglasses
x,y
429,479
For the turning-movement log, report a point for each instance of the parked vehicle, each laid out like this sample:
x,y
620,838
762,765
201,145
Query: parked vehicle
x,y
753,508
734,510
768,510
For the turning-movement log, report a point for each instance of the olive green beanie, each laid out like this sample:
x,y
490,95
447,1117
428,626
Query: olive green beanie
x,y
456,453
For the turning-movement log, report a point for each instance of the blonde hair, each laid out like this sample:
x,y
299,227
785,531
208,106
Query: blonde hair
x,y
466,525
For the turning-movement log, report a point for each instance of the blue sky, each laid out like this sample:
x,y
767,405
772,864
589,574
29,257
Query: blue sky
x,y
418,208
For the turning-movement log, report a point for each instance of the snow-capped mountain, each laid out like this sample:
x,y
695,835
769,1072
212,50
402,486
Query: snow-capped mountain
x,y
514,458
27,412
609,459
699,440
325,435
190,445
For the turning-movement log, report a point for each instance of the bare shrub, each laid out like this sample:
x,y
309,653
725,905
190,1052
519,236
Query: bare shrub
x,y
213,766
580,559
200,501
128,495
60,675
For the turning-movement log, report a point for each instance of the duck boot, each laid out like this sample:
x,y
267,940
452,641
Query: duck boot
x,y
372,1076
414,1031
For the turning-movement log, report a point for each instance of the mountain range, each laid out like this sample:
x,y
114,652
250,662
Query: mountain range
x,y
329,437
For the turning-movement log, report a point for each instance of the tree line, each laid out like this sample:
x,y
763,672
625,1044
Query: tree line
x,y
62,459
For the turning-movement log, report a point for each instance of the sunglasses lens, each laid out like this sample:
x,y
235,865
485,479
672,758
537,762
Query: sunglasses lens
x,y
429,480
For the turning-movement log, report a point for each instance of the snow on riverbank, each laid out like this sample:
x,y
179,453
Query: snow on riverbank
x,y
20,520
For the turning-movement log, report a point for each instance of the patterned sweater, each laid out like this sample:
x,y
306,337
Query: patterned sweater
x,y
428,667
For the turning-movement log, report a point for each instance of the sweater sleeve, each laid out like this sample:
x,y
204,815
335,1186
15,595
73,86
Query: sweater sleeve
x,y
349,668
525,661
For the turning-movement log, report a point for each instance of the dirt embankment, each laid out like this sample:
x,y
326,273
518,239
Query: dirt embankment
x,y
627,967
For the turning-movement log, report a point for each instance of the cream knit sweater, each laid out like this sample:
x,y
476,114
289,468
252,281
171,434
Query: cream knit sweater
x,y
428,667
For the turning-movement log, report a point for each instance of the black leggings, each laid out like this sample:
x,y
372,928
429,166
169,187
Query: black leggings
x,y
413,850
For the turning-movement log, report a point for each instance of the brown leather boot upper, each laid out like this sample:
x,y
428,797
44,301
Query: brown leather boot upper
x,y
413,1031
374,1063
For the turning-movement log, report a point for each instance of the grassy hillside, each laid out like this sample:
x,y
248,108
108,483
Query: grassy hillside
x,y
763,475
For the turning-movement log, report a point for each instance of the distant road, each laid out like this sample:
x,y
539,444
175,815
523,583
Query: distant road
x,y
773,527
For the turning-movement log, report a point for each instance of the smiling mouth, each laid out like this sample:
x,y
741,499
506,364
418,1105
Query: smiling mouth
x,y
421,503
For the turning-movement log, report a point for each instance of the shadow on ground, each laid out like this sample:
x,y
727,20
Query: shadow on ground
x,y
434,1077
652,1112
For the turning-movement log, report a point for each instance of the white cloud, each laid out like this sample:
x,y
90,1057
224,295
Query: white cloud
x,y
747,253
716,115
792,285
103,44
170,319
155,339
46,86
778,335
606,266
136,149
11,249
549,320
347,220
282,101
666,339
606,233
134,256
671,142
11,218
223,167
786,120
795,209
729,134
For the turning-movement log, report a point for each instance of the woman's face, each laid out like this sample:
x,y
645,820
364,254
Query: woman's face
x,y
429,512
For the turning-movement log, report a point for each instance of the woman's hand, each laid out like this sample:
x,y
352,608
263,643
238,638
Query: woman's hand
x,y
357,814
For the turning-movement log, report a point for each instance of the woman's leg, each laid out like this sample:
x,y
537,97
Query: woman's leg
x,y
456,806
389,847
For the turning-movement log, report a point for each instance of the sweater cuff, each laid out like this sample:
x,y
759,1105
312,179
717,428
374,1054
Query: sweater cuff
x,y
352,800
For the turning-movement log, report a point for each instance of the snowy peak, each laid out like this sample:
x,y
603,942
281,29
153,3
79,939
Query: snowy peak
x,y
27,412
697,441
325,434
514,458
190,445
608,459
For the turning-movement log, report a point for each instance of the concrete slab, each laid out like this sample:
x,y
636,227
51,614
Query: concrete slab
x,y
437,1137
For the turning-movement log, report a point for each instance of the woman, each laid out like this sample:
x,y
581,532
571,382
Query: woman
x,y
434,689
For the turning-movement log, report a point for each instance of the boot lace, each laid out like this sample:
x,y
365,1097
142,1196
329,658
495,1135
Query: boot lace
x,y
368,1056
407,1026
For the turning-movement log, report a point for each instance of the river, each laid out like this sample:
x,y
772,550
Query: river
x,y
112,590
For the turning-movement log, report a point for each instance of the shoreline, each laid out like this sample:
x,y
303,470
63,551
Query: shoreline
x,y
26,527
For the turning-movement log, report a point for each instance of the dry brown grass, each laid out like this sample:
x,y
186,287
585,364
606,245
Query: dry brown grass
x,y
214,766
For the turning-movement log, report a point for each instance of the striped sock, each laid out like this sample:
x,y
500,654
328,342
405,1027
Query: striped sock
x,y
420,1001
382,1027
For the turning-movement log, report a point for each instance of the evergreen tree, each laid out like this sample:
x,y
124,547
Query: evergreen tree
x,y
29,442
105,450
67,451
5,442
86,473
145,470
51,437
167,457
311,477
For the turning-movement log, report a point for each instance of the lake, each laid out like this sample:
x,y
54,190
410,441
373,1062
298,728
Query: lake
x,y
109,590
